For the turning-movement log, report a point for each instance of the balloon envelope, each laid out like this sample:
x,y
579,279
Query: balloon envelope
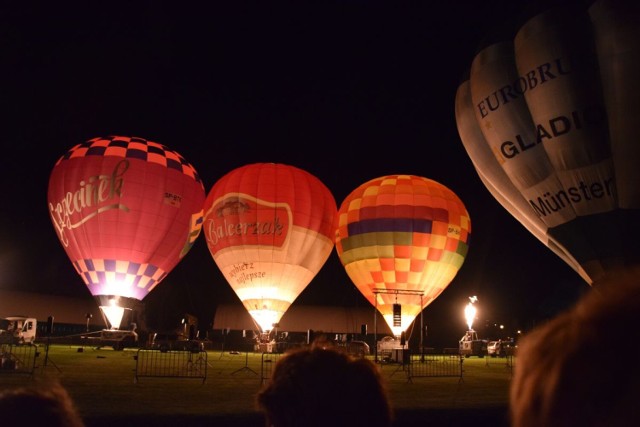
x,y
550,120
402,240
126,210
269,228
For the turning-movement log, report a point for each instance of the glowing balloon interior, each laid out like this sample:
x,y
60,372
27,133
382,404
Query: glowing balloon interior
x,y
402,240
113,312
551,121
269,228
126,211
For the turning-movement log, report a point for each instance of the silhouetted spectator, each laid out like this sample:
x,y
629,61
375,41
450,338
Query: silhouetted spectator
x,y
49,406
323,386
578,369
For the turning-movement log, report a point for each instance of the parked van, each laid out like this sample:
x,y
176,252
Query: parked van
x,y
18,330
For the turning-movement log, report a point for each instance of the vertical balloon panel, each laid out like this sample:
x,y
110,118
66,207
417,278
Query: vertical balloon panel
x,y
497,181
572,129
539,106
126,211
270,229
402,240
617,40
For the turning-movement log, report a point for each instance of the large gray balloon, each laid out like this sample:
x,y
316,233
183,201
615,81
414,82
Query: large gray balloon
x,y
551,122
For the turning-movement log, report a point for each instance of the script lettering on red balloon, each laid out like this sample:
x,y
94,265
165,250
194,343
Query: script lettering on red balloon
x,y
94,195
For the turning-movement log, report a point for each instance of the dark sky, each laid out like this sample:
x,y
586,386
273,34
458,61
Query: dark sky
x,y
348,91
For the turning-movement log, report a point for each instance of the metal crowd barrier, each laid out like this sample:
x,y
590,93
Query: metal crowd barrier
x,y
171,364
18,359
266,366
435,365
510,356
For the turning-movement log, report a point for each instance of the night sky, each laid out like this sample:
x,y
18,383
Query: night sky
x,y
348,91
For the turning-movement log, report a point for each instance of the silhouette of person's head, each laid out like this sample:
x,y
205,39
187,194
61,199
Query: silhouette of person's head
x,y
45,405
575,369
322,385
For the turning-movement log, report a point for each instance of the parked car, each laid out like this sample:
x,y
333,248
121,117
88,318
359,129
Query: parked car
x,y
499,348
493,348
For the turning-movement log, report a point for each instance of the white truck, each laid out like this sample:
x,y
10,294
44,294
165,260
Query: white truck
x,y
471,345
18,330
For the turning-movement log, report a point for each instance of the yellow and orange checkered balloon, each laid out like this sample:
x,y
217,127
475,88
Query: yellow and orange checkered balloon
x,y
402,240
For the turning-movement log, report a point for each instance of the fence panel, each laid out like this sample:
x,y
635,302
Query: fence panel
x,y
510,356
18,359
435,365
171,364
266,366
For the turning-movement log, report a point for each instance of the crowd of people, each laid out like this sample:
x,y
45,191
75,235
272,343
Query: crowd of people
x,y
574,370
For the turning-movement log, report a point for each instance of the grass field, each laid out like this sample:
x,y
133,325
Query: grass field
x,y
102,382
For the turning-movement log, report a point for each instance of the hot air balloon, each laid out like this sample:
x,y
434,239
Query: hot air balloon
x,y
126,211
269,228
402,240
550,121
